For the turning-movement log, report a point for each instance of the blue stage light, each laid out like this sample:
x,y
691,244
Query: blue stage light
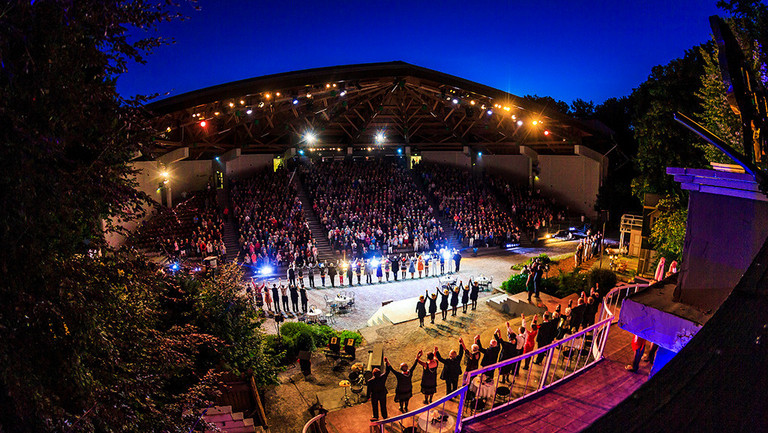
x,y
266,270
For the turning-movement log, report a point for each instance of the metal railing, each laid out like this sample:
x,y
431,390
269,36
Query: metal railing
x,y
483,392
315,425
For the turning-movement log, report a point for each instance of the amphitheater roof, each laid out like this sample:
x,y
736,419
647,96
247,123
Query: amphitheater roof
x,y
349,105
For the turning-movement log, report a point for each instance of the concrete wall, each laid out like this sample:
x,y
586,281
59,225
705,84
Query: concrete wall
x,y
447,157
189,176
572,179
513,167
248,164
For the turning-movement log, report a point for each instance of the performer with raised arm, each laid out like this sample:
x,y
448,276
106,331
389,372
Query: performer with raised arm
x,y
429,377
451,367
432,305
404,389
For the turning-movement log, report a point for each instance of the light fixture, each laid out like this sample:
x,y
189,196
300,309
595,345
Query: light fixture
x,y
231,104
310,137
546,132
343,93
269,96
506,108
295,101
261,104
472,102
242,102
309,95
249,111
327,86
277,94
534,122
489,112
479,153
164,174
519,123
168,129
455,101
203,123
514,117
215,113
379,137
301,151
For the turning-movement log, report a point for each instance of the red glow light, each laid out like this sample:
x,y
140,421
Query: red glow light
x,y
546,132
203,123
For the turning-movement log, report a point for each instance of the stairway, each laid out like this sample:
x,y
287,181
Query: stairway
x,y
453,240
226,421
324,251
231,241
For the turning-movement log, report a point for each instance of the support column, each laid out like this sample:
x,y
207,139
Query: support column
x,y
533,159
165,163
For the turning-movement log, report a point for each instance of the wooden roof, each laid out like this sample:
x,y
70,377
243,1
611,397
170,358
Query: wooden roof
x,y
348,105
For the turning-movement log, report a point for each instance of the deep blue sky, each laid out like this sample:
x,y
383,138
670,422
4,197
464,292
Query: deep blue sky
x,y
565,49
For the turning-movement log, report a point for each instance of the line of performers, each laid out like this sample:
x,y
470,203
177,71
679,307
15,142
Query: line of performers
x,y
451,294
385,268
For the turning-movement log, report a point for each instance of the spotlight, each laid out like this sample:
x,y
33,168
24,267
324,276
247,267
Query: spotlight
x,y
534,122
310,137
472,102
295,102
519,123
168,129
216,113
266,270
489,112
546,132
249,111
164,174
343,93
277,94
203,123
479,153
175,267
269,96
301,152
455,101
399,150
242,102
231,104
379,137
261,104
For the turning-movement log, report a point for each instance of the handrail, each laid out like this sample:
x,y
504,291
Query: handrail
x,y
313,421
564,358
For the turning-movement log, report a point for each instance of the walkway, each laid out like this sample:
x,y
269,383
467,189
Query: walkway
x,y
569,407
575,404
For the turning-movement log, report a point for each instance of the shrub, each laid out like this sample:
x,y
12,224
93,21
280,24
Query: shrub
x,y
351,334
515,284
604,277
297,336
544,258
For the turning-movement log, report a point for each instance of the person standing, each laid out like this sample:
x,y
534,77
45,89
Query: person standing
x,y
404,266
451,368
508,351
454,300
472,356
332,274
444,303
529,280
465,296
429,376
537,276
387,268
276,298
377,393
291,275
268,299
404,389
294,297
638,346
442,264
304,300
432,306
300,275
322,273
311,275
411,267
457,260
284,297
350,274
379,272
545,336
490,354
530,338
359,266
420,266
473,294
421,310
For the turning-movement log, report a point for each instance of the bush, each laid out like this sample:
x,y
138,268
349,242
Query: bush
x,y
515,284
544,258
297,336
568,283
604,277
351,334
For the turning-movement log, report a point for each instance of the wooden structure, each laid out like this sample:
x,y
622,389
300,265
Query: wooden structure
x,y
359,107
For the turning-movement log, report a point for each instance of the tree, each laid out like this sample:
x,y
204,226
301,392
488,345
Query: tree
x,y
668,232
582,109
84,343
549,102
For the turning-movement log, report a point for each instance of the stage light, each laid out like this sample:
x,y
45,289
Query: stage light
x,y
277,94
261,104
301,152
218,159
546,132
343,93
472,102
479,153
231,104
295,101
334,84
455,101
489,112
249,111
399,150
168,129
519,123
164,174
216,113
266,270
242,102
310,137
379,137
203,123
269,96
175,267
375,262
327,86
534,122
514,117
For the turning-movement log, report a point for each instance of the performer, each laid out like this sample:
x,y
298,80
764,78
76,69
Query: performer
x,y
444,303
508,351
377,392
451,368
359,266
473,294
387,267
294,297
311,275
454,300
420,265
432,305
412,266
429,377
465,295
303,296
473,356
378,272
404,266
276,298
421,311
404,389
322,273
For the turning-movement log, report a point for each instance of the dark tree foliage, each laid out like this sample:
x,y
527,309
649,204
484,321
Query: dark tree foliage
x,y
549,103
582,109
87,343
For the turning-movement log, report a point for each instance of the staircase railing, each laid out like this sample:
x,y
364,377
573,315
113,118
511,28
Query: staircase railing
x,y
483,393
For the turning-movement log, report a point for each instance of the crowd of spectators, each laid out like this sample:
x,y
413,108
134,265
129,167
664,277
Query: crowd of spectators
x,y
532,210
271,223
371,206
476,215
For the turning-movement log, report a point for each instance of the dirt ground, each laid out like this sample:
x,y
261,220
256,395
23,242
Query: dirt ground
x,y
288,404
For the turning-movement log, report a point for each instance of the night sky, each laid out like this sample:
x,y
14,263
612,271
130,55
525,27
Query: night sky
x,y
592,50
